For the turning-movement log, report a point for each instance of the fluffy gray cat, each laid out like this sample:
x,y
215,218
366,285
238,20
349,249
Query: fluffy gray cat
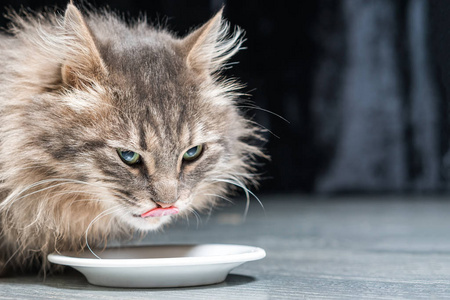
x,y
109,128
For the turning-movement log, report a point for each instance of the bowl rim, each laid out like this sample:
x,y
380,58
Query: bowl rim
x,y
247,253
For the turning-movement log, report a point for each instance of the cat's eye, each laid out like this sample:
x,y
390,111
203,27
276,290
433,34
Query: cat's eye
x,y
129,157
193,153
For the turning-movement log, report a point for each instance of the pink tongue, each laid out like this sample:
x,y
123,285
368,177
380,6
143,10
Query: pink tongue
x,y
159,212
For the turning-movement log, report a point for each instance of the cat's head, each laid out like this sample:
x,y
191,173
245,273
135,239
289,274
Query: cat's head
x,y
144,119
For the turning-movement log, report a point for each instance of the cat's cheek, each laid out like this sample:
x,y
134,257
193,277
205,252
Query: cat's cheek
x,y
184,201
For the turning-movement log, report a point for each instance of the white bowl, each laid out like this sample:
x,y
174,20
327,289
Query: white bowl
x,y
159,266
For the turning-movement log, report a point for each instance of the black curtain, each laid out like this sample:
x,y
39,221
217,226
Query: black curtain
x,y
363,84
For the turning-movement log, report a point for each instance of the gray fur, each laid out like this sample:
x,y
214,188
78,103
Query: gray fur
x,y
73,89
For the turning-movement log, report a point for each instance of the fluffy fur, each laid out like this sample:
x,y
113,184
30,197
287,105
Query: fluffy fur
x,y
75,88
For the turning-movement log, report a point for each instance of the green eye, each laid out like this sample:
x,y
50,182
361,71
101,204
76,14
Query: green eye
x,y
129,157
193,153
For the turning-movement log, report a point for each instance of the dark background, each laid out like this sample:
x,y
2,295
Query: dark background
x,y
362,83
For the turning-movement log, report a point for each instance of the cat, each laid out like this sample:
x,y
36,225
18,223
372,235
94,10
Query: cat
x,y
110,128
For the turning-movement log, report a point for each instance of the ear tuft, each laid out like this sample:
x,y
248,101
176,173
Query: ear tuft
x,y
210,46
83,63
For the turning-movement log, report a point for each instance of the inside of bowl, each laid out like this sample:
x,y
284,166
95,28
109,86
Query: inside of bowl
x,y
170,251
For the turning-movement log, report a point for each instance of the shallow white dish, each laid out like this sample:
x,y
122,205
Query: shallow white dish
x,y
159,266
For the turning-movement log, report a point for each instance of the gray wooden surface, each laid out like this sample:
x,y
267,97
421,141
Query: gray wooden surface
x,y
338,248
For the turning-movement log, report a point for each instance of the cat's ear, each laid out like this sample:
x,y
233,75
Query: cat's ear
x,y
211,45
83,63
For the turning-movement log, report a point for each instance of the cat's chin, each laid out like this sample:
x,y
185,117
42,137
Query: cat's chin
x,y
146,224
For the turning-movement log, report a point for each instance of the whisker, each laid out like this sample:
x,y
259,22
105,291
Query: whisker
x,y
62,193
221,197
238,183
13,196
211,210
98,217
197,216
88,200
247,196
186,216
41,190
264,110
81,192
243,185
264,128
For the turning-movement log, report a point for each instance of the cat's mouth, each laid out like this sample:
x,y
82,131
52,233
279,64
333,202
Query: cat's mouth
x,y
159,212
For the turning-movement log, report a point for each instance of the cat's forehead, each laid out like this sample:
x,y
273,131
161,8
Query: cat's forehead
x,y
175,118
156,132
153,87
154,59
153,73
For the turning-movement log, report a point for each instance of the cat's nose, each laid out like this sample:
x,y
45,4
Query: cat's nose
x,y
165,192
164,205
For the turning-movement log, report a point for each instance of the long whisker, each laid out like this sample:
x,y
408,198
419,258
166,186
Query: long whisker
x,y
213,204
186,216
14,196
264,128
98,217
90,193
79,192
88,200
264,110
243,185
41,190
219,196
247,192
197,216
68,192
